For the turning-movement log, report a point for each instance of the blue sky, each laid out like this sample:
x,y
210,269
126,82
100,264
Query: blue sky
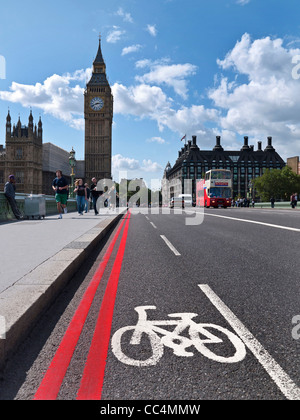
x,y
176,67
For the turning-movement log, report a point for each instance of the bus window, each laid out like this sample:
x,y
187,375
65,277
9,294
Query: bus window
x,y
220,175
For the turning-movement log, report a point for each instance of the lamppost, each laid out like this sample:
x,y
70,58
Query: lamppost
x,y
72,162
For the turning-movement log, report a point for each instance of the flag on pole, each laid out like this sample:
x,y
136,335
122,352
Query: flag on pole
x,y
184,137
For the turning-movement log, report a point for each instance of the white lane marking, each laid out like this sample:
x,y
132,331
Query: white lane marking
x,y
172,248
147,217
279,376
255,222
2,328
151,223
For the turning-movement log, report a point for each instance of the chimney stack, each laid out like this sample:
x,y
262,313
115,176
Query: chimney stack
x,y
218,144
245,147
269,147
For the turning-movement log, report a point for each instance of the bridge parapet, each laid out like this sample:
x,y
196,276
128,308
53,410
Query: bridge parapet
x,y
51,208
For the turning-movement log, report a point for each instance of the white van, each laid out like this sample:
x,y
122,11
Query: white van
x,y
188,200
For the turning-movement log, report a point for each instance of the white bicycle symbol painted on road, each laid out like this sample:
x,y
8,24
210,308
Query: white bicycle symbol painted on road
x,y
199,336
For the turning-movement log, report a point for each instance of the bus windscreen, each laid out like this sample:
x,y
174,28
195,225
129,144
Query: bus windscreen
x,y
220,192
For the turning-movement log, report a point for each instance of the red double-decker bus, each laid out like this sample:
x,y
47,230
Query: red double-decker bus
x,y
215,190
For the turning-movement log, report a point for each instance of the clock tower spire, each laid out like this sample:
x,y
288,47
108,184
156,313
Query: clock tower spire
x,y
98,114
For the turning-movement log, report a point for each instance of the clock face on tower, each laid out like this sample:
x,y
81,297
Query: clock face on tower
x,y
96,104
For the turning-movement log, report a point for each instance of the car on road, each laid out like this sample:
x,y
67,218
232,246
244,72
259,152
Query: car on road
x,y
188,200
176,202
182,201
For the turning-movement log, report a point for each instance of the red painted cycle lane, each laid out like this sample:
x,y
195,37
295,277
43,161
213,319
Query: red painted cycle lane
x,y
52,381
93,375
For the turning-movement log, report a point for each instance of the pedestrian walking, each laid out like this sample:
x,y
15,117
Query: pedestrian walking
x,y
10,194
272,202
95,194
61,188
112,194
293,201
88,194
253,202
81,196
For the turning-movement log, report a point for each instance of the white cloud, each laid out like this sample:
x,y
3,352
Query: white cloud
x,y
115,35
55,96
151,102
243,2
140,64
134,169
158,140
152,30
149,166
126,16
171,75
121,163
131,49
268,104
141,100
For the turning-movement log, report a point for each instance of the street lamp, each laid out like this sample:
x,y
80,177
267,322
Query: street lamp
x,y
72,162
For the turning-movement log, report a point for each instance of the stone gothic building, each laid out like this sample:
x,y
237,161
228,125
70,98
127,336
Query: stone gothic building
x,y
22,155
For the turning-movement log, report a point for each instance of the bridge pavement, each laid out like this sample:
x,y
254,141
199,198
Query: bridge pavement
x,y
38,257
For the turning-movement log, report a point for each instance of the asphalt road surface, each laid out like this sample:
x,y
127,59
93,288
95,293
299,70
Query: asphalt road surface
x,y
170,311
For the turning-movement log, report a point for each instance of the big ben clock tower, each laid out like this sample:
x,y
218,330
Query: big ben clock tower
x,y
98,114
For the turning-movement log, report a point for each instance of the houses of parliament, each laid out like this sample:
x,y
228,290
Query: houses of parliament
x,y
34,163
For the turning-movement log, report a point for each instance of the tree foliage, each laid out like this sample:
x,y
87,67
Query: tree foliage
x,y
277,183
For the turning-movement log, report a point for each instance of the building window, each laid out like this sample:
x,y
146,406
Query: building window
x,y
19,153
19,177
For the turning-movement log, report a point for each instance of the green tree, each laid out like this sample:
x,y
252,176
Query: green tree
x,y
277,183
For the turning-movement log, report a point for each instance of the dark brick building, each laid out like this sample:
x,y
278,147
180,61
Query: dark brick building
x,y
245,165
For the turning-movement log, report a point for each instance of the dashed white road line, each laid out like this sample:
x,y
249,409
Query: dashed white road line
x,y
255,222
151,223
172,248
278,375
